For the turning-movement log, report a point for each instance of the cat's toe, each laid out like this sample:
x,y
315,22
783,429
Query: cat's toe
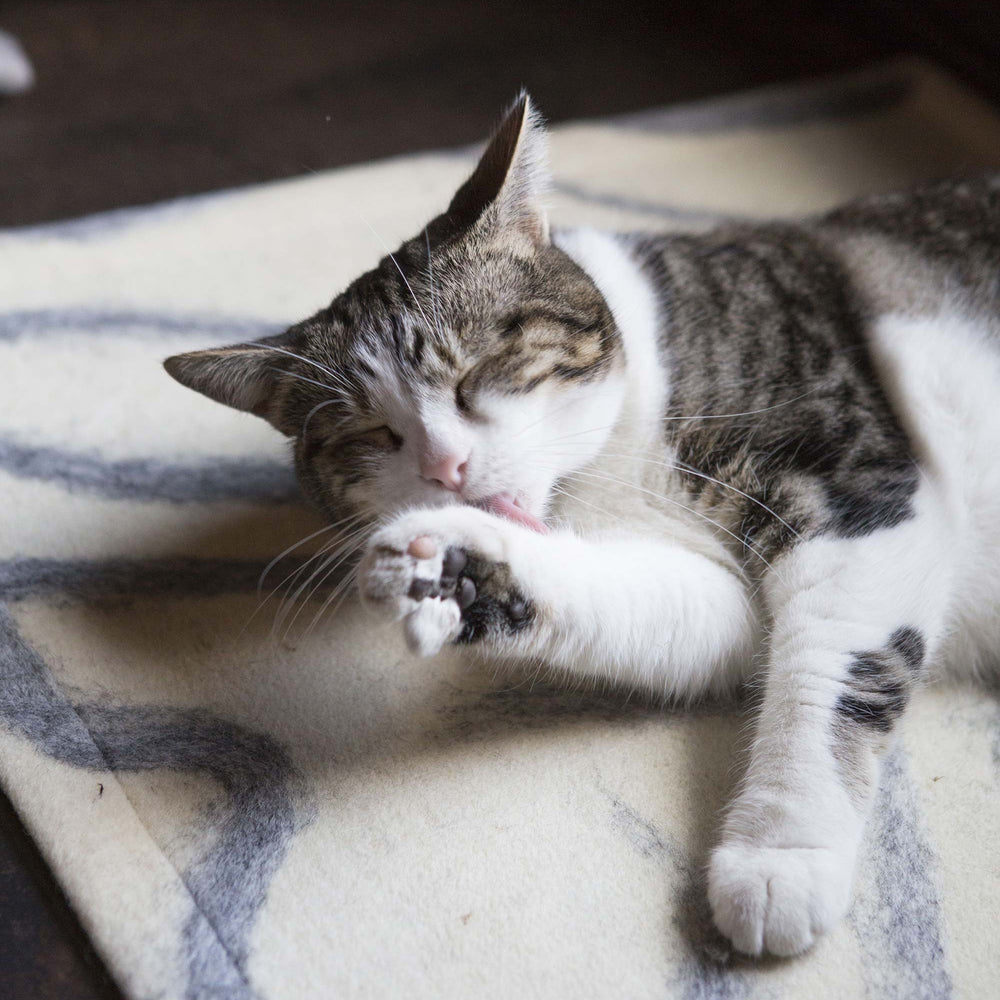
x,y
393,582
431,624
418,579
777,899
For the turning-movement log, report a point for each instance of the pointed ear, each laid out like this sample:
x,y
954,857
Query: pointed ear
x,y
508,185
243,376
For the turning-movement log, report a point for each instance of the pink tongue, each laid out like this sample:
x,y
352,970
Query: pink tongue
x,y
503,504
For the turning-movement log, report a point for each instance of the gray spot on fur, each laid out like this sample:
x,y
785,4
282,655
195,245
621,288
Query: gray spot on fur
x,y
879,682
206,481
228,886
899,924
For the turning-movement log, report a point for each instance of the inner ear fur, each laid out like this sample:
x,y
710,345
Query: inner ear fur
x,y
508,186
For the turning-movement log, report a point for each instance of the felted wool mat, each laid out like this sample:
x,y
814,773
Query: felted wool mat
x,y
314,813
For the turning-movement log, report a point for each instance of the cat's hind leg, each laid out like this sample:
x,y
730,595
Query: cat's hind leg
x,y
855,622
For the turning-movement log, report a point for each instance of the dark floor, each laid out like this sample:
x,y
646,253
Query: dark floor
x,y
139,102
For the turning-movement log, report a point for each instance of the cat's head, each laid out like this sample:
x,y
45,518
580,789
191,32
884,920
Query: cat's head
x,y
477,364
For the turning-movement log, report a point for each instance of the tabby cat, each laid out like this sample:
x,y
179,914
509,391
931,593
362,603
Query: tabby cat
x,y
678,463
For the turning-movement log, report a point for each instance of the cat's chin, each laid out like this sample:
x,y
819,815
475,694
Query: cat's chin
x,y
506,505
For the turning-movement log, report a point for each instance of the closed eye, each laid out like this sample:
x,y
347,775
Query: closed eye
x,y
380,439
383,438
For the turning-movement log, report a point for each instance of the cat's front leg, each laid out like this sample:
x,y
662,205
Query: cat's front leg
x,y
642,612
855,622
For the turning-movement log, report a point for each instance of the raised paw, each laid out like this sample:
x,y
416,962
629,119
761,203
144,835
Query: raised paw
x,y
777,899
442,572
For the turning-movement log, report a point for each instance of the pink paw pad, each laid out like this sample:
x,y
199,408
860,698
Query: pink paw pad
x,y
423,547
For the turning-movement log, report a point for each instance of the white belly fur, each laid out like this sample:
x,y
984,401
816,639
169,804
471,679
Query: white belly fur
x,y
943,376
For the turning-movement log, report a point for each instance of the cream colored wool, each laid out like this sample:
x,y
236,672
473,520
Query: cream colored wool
x,y
238,814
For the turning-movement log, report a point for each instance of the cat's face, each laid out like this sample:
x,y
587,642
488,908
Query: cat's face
x,y
478,364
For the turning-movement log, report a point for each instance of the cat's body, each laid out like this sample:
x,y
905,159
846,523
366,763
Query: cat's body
x,y
764,452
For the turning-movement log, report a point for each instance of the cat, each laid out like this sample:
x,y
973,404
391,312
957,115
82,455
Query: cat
x,y
764,453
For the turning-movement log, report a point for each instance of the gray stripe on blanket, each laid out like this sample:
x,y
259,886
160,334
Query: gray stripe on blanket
x,y
642,206
36,322
775,107
206,481
899,924
89,228
267,799
712,970
117,580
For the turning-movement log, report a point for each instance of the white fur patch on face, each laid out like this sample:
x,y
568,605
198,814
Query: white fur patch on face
x,y
533,440
515,444
632,302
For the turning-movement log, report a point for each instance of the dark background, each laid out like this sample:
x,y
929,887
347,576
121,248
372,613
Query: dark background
x,y
142,101
136,102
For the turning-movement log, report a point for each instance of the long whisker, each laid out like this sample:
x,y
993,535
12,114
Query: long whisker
x,y
292,548
745,413
342,590
315,410
430,277
690,470
342,525
406,282
328,566
684,467
614,480
298,357
559,409
302,378
556,488
358,539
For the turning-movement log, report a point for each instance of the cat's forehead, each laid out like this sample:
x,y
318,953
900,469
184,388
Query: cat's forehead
x,y
444,302
472,315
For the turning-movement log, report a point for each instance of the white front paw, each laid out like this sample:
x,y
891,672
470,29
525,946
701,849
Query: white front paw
x,y
778,899
413,569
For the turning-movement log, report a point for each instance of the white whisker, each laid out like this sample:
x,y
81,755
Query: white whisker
x,y
615,480
298,357
430,278
406,282
690,470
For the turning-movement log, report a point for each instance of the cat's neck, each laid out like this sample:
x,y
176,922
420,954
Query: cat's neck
x,y
635,306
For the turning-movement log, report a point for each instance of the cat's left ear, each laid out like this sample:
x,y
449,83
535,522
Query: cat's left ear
x,y
244,376
507,188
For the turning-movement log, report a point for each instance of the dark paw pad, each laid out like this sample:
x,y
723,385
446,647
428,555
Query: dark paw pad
x,y
451,583
484,592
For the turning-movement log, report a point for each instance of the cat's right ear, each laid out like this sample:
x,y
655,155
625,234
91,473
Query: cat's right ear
x,y
244,376
508,186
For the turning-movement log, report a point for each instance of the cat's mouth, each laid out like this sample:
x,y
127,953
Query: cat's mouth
x,y
508,506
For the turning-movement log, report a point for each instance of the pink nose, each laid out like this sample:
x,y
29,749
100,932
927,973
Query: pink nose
x,y
449,471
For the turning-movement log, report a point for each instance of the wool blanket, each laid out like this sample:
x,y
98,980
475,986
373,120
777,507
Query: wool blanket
x,y
242,811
